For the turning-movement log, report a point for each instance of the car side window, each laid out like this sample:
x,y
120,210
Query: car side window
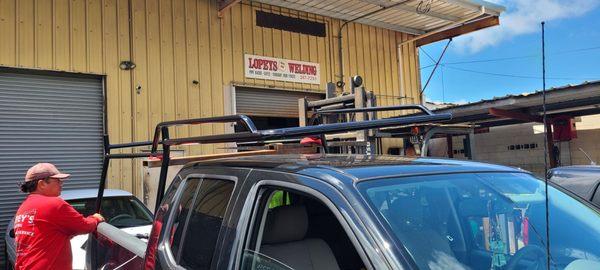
x,y
182,212
196,228
596,197
296,232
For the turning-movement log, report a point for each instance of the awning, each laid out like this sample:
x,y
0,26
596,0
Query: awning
x,y
436,19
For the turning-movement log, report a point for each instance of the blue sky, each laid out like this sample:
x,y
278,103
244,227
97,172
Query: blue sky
x,y
507,59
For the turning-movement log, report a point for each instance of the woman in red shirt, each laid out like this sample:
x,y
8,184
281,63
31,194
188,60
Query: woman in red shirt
x,y
45,223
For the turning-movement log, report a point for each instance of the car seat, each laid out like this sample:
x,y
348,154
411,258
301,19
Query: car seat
x,y
284,240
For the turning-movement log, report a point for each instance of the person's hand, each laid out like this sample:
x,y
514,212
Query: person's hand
x,y
98,217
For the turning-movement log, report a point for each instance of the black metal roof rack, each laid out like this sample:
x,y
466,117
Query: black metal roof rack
x,y
161,136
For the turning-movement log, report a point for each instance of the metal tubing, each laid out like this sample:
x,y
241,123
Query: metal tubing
x,y
219,119
105,162
131,155
127,145
164,168
337,106
379,109
297,132
319,103
102,184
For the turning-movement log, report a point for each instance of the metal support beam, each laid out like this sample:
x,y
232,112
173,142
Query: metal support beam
x,y
516,115
550,143
449,146
460,30
162,181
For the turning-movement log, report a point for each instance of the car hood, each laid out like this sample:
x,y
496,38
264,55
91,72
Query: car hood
x,y
78,241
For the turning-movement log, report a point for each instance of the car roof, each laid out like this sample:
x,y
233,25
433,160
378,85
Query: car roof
x,y
88,193
579,169
355,167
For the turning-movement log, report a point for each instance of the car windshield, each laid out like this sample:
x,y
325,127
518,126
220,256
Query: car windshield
x,y
121,212
485,221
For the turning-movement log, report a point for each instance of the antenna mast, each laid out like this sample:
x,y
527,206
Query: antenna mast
x,y
545,146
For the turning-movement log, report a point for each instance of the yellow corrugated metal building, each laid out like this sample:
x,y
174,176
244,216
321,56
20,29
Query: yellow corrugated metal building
x,y
189,54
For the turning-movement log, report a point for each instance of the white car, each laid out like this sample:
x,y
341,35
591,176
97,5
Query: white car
x,y
120,209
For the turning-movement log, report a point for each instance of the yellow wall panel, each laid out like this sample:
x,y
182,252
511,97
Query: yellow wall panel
x,y
61,35
179,67
8,24
110,30
94,39
25,33
166,71
78,35
43,34
155,65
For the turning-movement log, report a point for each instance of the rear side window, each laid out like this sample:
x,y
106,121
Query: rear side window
x,y
183,210
194,244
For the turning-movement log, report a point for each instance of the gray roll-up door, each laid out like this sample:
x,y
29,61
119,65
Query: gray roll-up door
x,y
272,103
47,118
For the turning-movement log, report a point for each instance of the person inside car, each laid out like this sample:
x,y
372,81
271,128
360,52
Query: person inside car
x,y
45,223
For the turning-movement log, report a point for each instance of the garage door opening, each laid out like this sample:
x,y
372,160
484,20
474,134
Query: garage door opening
x,y
269,108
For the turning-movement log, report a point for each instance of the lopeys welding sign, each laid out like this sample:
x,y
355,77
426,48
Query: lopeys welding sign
x,y
277,69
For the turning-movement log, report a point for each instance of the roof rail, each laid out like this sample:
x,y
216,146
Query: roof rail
x,y
379,109
161,136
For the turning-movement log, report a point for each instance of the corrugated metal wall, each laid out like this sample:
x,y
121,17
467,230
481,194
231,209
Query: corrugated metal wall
x,y
48,119
174,42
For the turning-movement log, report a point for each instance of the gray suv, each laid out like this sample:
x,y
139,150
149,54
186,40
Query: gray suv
x,y
347,211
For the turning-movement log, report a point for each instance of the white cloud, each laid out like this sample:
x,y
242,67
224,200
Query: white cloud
x,y
523,17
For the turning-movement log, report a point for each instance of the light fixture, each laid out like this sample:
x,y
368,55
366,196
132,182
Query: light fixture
x,y
127,65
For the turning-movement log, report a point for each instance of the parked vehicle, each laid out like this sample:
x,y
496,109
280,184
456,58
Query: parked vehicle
x,y
120,208
582,180
324,211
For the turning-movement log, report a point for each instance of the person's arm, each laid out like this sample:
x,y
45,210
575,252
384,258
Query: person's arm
x,y
71,221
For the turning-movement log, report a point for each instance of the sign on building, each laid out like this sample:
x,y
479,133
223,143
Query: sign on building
x,y
277,69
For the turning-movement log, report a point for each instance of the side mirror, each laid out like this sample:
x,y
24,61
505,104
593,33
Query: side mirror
x,y
11,233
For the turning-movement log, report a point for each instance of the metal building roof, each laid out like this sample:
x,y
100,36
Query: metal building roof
x,y
571,100
416,17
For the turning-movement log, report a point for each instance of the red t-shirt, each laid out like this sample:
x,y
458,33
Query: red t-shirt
x,y
43,228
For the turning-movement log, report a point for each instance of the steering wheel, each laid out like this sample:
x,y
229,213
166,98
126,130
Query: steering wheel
x,y
531,252
119,216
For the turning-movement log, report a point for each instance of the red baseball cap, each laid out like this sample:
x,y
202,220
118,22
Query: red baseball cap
x,y
42,171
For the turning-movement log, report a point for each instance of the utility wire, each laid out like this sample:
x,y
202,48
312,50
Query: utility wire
x,y
517,76
428,56
434,68
511,58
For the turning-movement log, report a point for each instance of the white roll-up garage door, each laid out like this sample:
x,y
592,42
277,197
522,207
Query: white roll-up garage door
x,y
45,118
270,103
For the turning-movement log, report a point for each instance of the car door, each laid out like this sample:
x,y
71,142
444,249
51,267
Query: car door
x,y
194,223
355,245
